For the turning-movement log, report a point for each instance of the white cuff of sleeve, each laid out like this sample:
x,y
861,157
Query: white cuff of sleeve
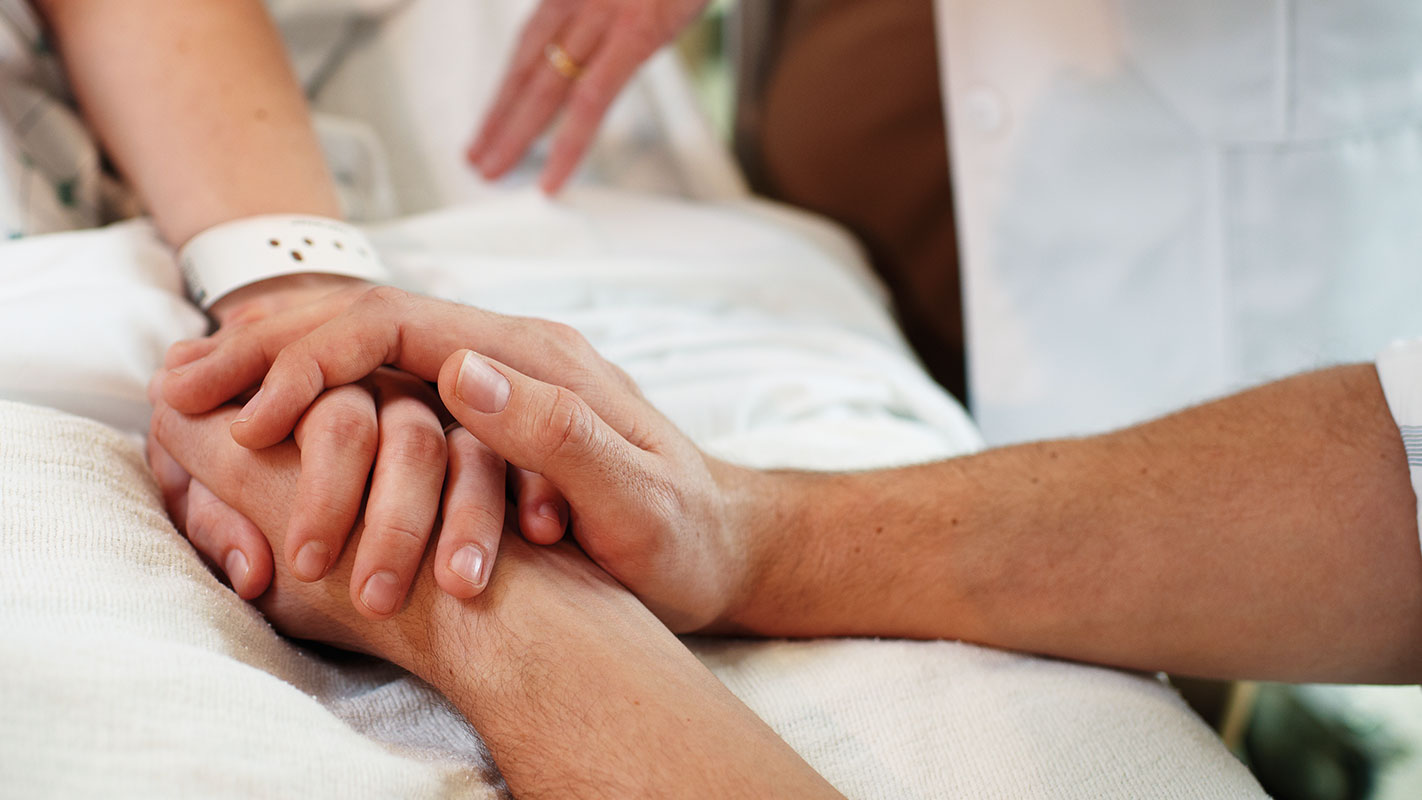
x,y
234,254
1400,372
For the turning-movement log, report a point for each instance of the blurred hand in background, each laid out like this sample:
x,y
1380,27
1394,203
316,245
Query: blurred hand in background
x,y
573,56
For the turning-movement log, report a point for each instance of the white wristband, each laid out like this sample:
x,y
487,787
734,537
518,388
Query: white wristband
x,y
241,252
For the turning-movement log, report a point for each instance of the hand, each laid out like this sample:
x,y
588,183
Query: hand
x,y
603,42
387,421
567,678
217,531
405,496
253,492
663,518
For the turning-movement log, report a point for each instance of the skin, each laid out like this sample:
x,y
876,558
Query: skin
x,y
608,40
227,136
1271,534
570,681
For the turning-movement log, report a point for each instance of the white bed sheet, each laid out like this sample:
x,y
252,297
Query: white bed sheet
x,y
757,330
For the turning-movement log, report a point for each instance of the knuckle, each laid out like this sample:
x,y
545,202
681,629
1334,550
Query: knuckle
x,y
566,340
400,530
369,347
321,510
568,426
415,445
472,454
624,379
383,296
350,426
466,517
297,368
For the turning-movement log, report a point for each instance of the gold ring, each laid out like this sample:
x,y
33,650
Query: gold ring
x,y
562,62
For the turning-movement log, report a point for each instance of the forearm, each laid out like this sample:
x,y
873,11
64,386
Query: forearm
x,y
196,104
580,692
1271,534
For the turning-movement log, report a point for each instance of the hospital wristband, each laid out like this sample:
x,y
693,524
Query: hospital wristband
x,y
234,254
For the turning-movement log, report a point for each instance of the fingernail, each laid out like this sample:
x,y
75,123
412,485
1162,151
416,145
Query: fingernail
x,y
237,567
481,387
178,372
468,563
381,592
311,561
249,408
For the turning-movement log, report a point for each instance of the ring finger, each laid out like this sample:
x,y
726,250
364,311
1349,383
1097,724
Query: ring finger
x,y
543,93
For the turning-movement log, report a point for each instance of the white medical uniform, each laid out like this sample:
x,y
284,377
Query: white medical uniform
x,y
1161,201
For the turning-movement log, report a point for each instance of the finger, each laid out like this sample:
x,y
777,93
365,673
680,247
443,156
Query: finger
x,y
417,334
235,361
173,482
226,538
547,20
473,516
404,501
338,440
188,350
542,511
608,72
542,428
543,94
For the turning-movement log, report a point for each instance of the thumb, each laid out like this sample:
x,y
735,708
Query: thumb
x,y
541,428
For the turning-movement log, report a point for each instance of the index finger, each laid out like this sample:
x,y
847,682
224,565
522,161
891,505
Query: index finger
x,y
412,333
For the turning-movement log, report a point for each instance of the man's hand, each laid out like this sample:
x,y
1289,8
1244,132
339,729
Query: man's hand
x,y
574,56
663,518
568,679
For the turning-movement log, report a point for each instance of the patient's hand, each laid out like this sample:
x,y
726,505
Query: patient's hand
x,y
666,520
385,431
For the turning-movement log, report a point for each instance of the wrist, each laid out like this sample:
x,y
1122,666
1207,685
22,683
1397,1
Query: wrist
x,y
540,602
759,515
266,297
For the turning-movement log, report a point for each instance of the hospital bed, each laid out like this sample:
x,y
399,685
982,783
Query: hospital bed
x,y
126,669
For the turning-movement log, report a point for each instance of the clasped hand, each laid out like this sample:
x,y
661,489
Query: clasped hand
x,y
346,381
